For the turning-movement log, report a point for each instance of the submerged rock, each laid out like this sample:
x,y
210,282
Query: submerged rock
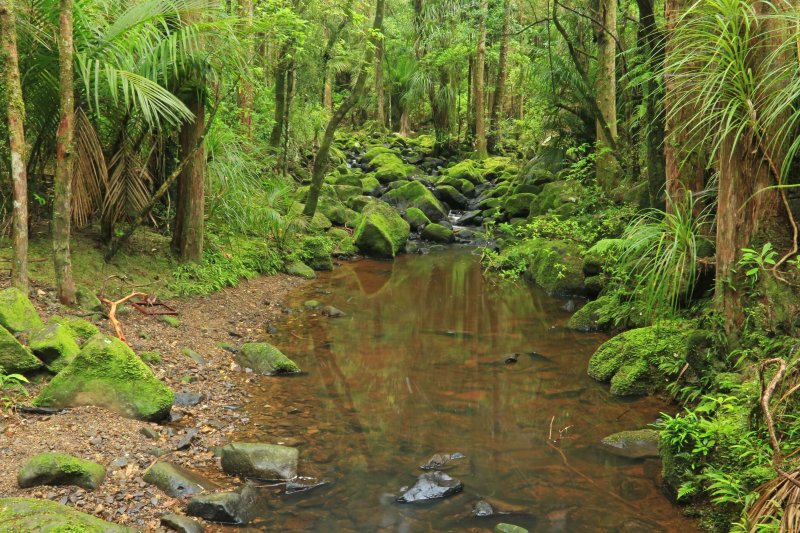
x,y
181,524
175,480
29,514
332,312
265,358
17,313
432,486
14,357
60,469
443,460
637,444
293,487
509,528
482,508
259,461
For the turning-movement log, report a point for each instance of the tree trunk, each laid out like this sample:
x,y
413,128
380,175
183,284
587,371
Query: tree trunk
x,y
441,115
187,239
606,164
500,83
280,97
246,94
323,153
480,64
405,126
16,134
287,116
65,145
327,97
380,113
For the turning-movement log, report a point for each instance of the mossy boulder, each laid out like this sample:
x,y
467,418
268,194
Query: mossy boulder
x,y
636,444
451,196
493,167
358,203
352,180
266,359
553,265
108,374
416,218
176,481
381,232
60,469
598,256
55,345
389,168
375,151
317,253
415,194
461,185
630,361
370,185
14,357
87,299
22,515
518,205
82,330
559,197
336,212
595,315
17,313
465,170
345,192
299,269
437,233
255,460
343,245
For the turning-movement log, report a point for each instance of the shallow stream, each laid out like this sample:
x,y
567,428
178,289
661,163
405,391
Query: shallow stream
x,y
418,367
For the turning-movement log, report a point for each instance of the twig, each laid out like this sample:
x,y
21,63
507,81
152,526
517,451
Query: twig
x,y
766,395
112,313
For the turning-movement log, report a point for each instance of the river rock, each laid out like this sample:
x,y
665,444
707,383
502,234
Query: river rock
x,y
107,373
437,233
189,399
293,487
17,313
482,508
638,444
443,460
431,486
30,514
266,359
509,528
381,231
226,507
259,461
181,524
300,270
175,480
60,469
14,357
55,345
332,312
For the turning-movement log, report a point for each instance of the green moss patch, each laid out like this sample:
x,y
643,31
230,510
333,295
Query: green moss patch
x,y
415,194
23,515
381,232
14,357
55,345
265,358
60,469
17,313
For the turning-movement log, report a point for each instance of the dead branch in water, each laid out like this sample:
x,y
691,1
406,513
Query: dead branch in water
x,y
112,313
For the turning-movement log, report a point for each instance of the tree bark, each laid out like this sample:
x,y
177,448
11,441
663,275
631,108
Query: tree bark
x,y
16,134
380,112
246,93
500,83
480,64
607,167
280,96
187,239
65,145
323,153
405,125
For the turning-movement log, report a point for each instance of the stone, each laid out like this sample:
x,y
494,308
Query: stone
x,y
259,461
451,196
431,486
82,330
293,487
442,460
381,231
265,358
87,299
185,442
152,358
181,524
60,469
596,315
176,481
482,508
639,444
415,194
219,507
55,345
311,304
171,321
519,205
150,433
14,357
188,399
416,218
465,170
509,528
332,312
300,270
17,313
107,373
437,233
29,514
194,356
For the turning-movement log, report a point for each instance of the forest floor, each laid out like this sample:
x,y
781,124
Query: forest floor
x,y
233,316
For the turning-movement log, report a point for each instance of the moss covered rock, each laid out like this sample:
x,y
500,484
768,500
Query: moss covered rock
x,y
370,185
630,360
259,461
595,315
60,469
175,480
381,232
17,313
14,357
416,218
636,444
437,233
375,151
82,330
265,358
553,265
358,203
518,205
87,299
451,196
300,270
108,374
596,257
465,170
345,192
343,245
389,167
415,194
352,180
55,345
559,197
24,515
317,253
494,167
461,185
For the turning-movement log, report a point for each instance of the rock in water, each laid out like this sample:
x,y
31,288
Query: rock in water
x,y
259,461
176,481
14,357
332,312
431,486
442,460
60,469
181,524
482,508
265,358
17,313
108,374
381,231
29,514
509,528
55,345
220,507
633,444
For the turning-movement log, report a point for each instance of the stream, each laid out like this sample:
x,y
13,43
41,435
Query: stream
x,y
418,367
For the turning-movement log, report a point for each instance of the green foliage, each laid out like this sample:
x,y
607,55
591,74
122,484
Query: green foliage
x,y
12,388
756,261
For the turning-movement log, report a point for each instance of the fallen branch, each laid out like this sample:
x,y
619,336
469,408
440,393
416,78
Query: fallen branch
x,y
112,313
766,395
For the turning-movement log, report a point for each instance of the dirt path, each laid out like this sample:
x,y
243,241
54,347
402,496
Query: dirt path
x,y
233,316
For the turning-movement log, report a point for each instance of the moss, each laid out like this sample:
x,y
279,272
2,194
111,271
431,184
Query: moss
x,y
415,194
87,299
17,313
490,203
556,195
81,329
461,185
389,168
342,242
596,257
108,374
352,180
381,232
595,315
416,218
437,233
493,167
375,151
370,185
316,252
300,270
451,196
345,192
152,358
265,359
55,345
553,265
171,321
311,304
359,202
60,469
424,142
14,357
465,170
518,205
23,515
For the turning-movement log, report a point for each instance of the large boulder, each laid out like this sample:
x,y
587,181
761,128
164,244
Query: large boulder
x,y
60,469
437,233
416,218
559,197
299,269
259,461
451,196
55,345
175,480
108,374
375,151
518,205
597,315
465,170
265,358
553,265
17,313
382,232
389,168
29,514
81,329
415,194
14,357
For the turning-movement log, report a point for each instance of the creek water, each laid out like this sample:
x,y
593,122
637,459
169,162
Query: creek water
x,y
417,367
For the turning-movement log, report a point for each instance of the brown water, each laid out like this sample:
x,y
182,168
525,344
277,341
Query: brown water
x,y
417,368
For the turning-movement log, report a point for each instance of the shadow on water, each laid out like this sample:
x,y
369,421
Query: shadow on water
x,y
418,367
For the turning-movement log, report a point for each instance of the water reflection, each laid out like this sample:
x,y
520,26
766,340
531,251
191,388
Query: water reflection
x,y
419,367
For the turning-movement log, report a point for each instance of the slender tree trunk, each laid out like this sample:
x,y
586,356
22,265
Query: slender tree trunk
x,y
287,116
323,153
65,145
405,125
441,114
480,65
246,93
500,84
471,99
187,239
280,96
606,163
379,90
16,133
327,97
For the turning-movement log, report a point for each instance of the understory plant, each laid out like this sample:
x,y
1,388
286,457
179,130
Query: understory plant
x,y
13,388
